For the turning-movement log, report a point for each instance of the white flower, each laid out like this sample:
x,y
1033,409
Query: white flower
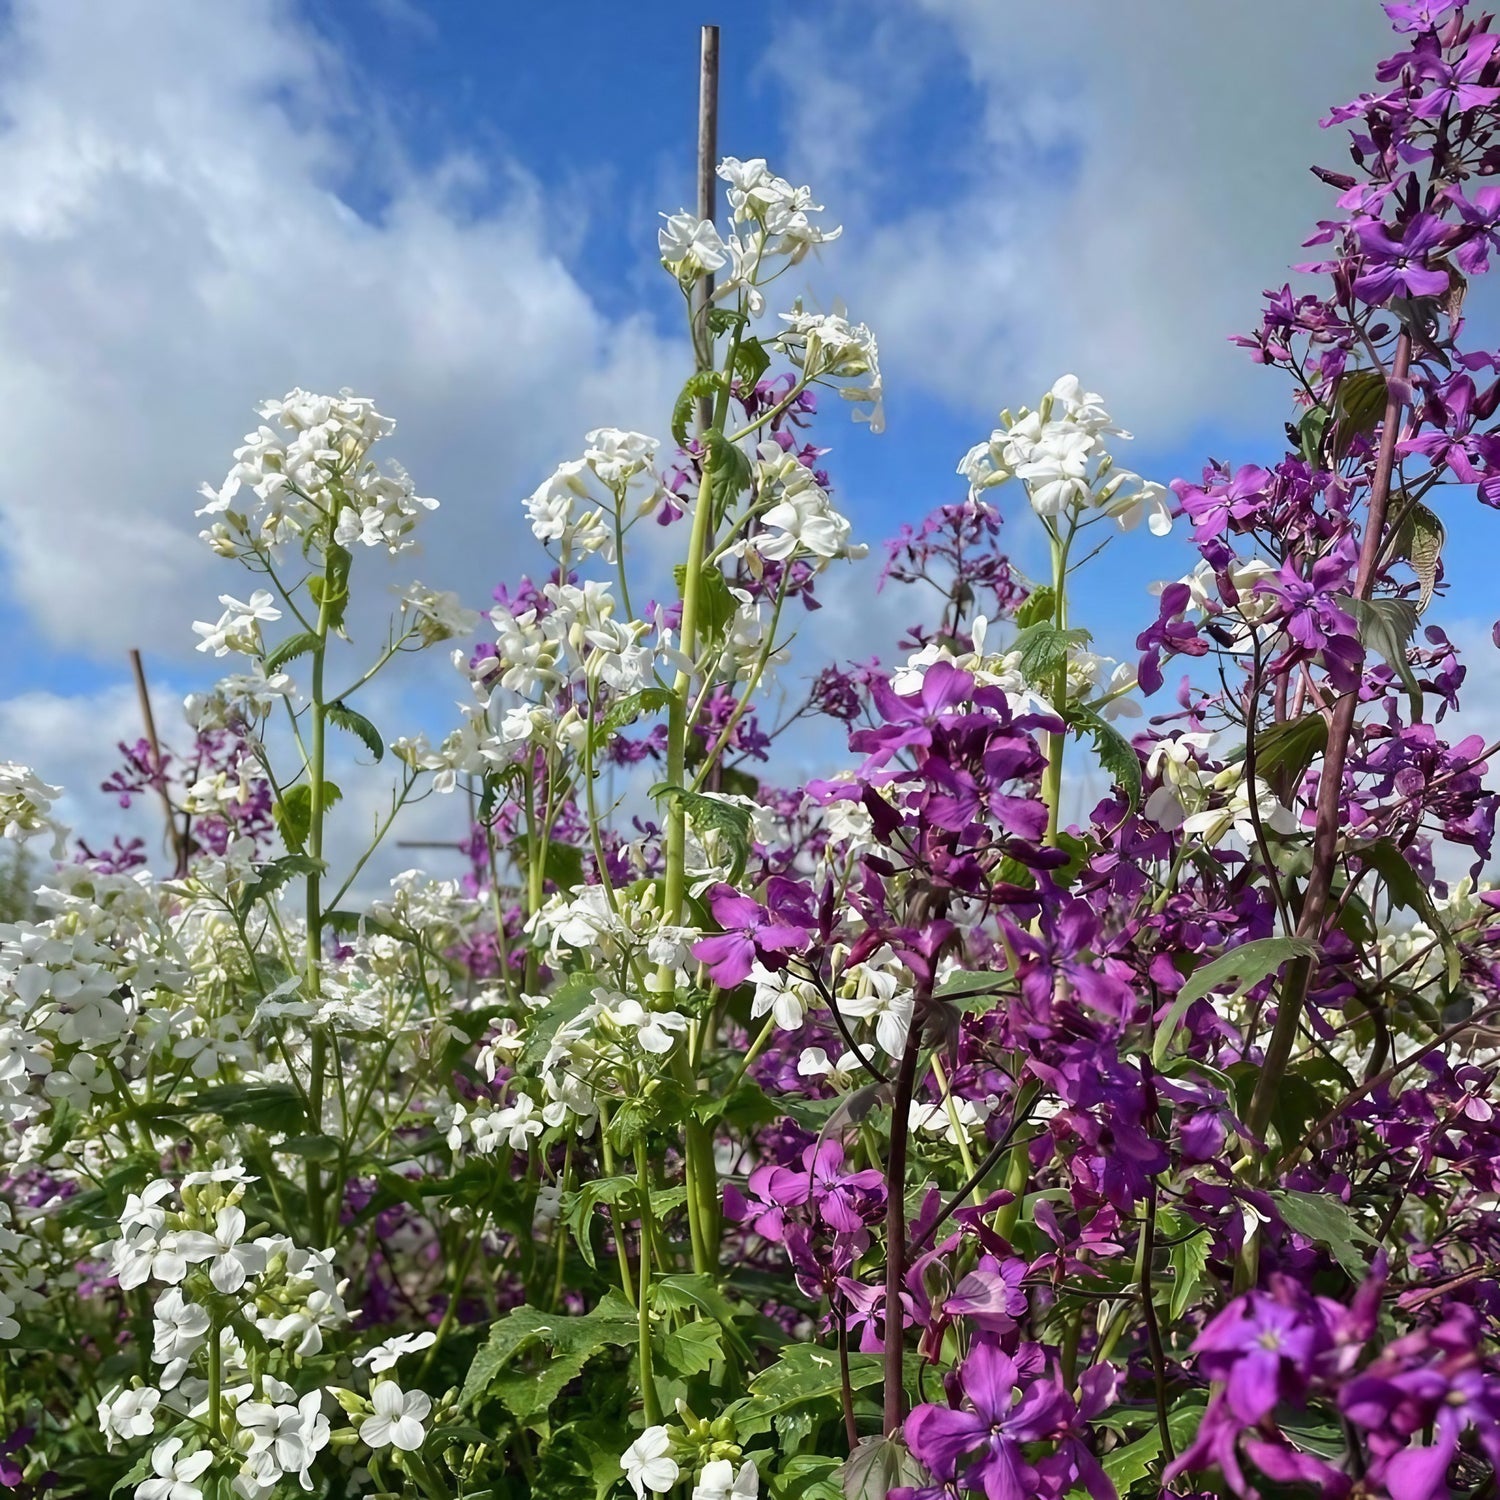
x,y
783,994
25,801
284,1439
1148,502
128,1414
718,1481
398,1417
174,1476
230,1261
690,245
517,1123
647,1465
383,1357
653,1027
828,344
179,1328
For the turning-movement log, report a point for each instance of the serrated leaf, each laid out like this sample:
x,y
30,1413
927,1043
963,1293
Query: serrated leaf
x,y
751,361
1188,1256
268,1106
269,878
357,725
1405,888
1285,750
703,383
1116,754
1241,968
729,471
877,1466
722,319
301,644
1039,605
573,995
1386,627
627,710
330,589
1044,648
716,606
1325,1220
612,1323
1420,541
292,812
713,814
806,1372
691,1349
1128,1465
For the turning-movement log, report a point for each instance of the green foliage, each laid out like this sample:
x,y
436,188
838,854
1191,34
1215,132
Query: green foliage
x,y
360,727
702,383
1116,754
1241,968
1321,1218
711,814
293,812
301,644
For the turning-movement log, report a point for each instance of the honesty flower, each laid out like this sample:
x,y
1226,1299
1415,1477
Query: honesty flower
x,y
174,1477
397,1419
718,1481
128,1413
690,246
647,1465
383,1357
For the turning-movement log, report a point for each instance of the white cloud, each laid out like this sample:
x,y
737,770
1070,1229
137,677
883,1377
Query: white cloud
x,y
177,241
1134,175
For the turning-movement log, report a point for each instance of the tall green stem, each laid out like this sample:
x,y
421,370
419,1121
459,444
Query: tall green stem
x,y
317,755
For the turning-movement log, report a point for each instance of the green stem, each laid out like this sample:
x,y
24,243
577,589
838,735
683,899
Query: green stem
x,y
649,1397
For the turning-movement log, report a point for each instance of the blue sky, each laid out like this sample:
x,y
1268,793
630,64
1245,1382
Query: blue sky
x,y
452,207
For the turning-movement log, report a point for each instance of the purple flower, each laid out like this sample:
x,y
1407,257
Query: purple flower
x,y
750,932
1397,267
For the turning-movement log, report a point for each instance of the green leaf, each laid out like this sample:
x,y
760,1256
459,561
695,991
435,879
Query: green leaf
x,y
691,1349
269,878
1116,754
1405,888
1188,1256
1386,627
1325,1220
1359,404
960,986
293,812
703,383
808,1476
729,471
1419,539
290,649
269,1106
713,814
573,995
806,1372
1128,1465
716,606
311,1147
722,319
877,1466
578,1207
1241,968
627,710
1039,605
1285,750
1044,648
751,361
357,725
330,589
563,865
1309,434
612,1323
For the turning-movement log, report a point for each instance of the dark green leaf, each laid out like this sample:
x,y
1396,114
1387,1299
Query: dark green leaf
x,y
1039,605
877,1466
729,471
691,1349
1116,754
1241,968
1044,649
269,1106
1419,539
271,877
713,814
1359,404
1325,1220
751,361
293,812
290,649
1405,888
704,383
716,606
357,725
573,995
1386,627
1285,750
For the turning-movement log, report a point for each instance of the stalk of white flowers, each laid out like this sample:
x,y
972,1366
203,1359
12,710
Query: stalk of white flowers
x,y
25,804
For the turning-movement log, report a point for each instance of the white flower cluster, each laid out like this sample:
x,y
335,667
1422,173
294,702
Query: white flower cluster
x,y
797,521
588,503
828,345
772,228
306,466
1058,452
25,804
